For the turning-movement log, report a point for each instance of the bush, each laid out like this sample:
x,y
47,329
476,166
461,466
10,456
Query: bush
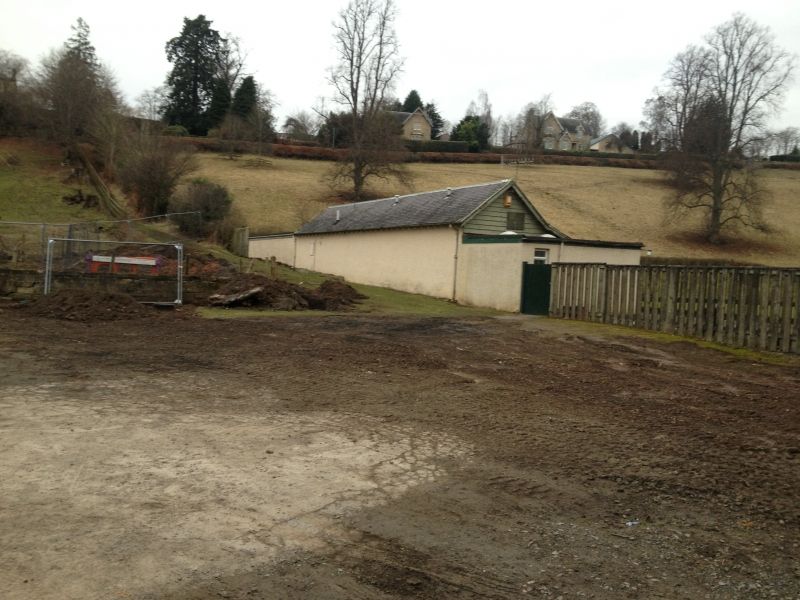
x,y
150,169
209,205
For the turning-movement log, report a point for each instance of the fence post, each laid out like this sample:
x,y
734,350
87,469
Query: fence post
x,y
669,309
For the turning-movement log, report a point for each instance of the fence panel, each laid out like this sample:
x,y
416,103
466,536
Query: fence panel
x,y
737,306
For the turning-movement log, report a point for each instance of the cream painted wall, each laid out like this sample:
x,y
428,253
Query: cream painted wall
x,y
586,254
421,261
282,248
490,275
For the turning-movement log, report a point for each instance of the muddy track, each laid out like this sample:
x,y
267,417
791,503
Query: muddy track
x,y
361,457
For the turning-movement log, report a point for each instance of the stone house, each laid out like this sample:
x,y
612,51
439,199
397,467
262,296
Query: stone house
x,y
415,125
563,133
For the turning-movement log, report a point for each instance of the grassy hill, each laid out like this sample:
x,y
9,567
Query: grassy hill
x,y
32,184
584,202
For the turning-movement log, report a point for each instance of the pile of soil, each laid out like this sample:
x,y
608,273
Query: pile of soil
x,y
87,305
336,295
276,294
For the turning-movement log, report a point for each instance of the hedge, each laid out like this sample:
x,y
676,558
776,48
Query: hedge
x,y
284,150
437,146
295,142
785,157
307,152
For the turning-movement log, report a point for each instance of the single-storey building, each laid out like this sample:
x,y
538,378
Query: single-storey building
x,y
466,244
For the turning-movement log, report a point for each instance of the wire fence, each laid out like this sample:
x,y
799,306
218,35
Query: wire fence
x,y
23,245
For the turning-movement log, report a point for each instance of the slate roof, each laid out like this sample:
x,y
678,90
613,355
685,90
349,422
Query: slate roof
x,y
571,125
401,117
425,209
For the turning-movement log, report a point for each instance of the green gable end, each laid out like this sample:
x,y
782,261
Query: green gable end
x,y
493,219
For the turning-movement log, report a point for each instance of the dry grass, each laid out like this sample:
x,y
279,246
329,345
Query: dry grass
x,y
583,202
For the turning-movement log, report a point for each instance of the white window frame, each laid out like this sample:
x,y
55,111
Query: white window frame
x,y
541,256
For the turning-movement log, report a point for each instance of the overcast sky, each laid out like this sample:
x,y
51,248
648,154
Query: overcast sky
x,y
609,52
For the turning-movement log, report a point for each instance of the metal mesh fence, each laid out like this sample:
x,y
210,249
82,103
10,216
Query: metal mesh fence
x,y
24,245
149,272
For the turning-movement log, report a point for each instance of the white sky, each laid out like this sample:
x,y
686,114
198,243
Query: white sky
x,y
610,52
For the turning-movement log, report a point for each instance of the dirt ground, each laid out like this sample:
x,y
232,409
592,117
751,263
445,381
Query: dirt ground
x,y
363,457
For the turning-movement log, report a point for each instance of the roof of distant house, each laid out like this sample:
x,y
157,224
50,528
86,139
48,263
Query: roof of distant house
x,y
451,206
402,117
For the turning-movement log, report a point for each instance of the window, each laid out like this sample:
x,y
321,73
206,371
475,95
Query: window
x,y
515,221
541,256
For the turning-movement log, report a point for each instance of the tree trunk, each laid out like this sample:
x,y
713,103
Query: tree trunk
x,y
358,177
717,192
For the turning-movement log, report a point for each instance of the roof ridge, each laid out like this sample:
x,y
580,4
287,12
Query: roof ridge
x,y
461,187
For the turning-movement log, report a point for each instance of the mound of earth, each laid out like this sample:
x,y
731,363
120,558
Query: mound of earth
x,y
336,295
88,305
276,294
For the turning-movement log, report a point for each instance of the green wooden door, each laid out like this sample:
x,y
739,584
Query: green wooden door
x,y
535,289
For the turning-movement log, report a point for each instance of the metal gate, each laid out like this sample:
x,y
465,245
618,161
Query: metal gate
x,y
535,289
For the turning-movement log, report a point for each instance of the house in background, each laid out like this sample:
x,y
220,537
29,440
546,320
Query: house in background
x,y
467,244
415,125
563,133
610,143
553,133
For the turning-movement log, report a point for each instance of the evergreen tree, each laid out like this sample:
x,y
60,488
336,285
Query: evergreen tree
x,y
74,86
437,122
220,103
412,102
244,100
79,46
474,130
191,82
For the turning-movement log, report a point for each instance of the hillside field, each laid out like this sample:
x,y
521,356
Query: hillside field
x,y
584,202
33,182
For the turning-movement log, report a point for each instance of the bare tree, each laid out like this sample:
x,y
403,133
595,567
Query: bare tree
x,y
11,66
151,168
786,139
711,113
109,129
368,63
485,113
150,103
15,103
589,115
74,86
530,123
301,125
230,59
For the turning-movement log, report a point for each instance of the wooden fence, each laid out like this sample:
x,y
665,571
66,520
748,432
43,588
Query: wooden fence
x,y
738,306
